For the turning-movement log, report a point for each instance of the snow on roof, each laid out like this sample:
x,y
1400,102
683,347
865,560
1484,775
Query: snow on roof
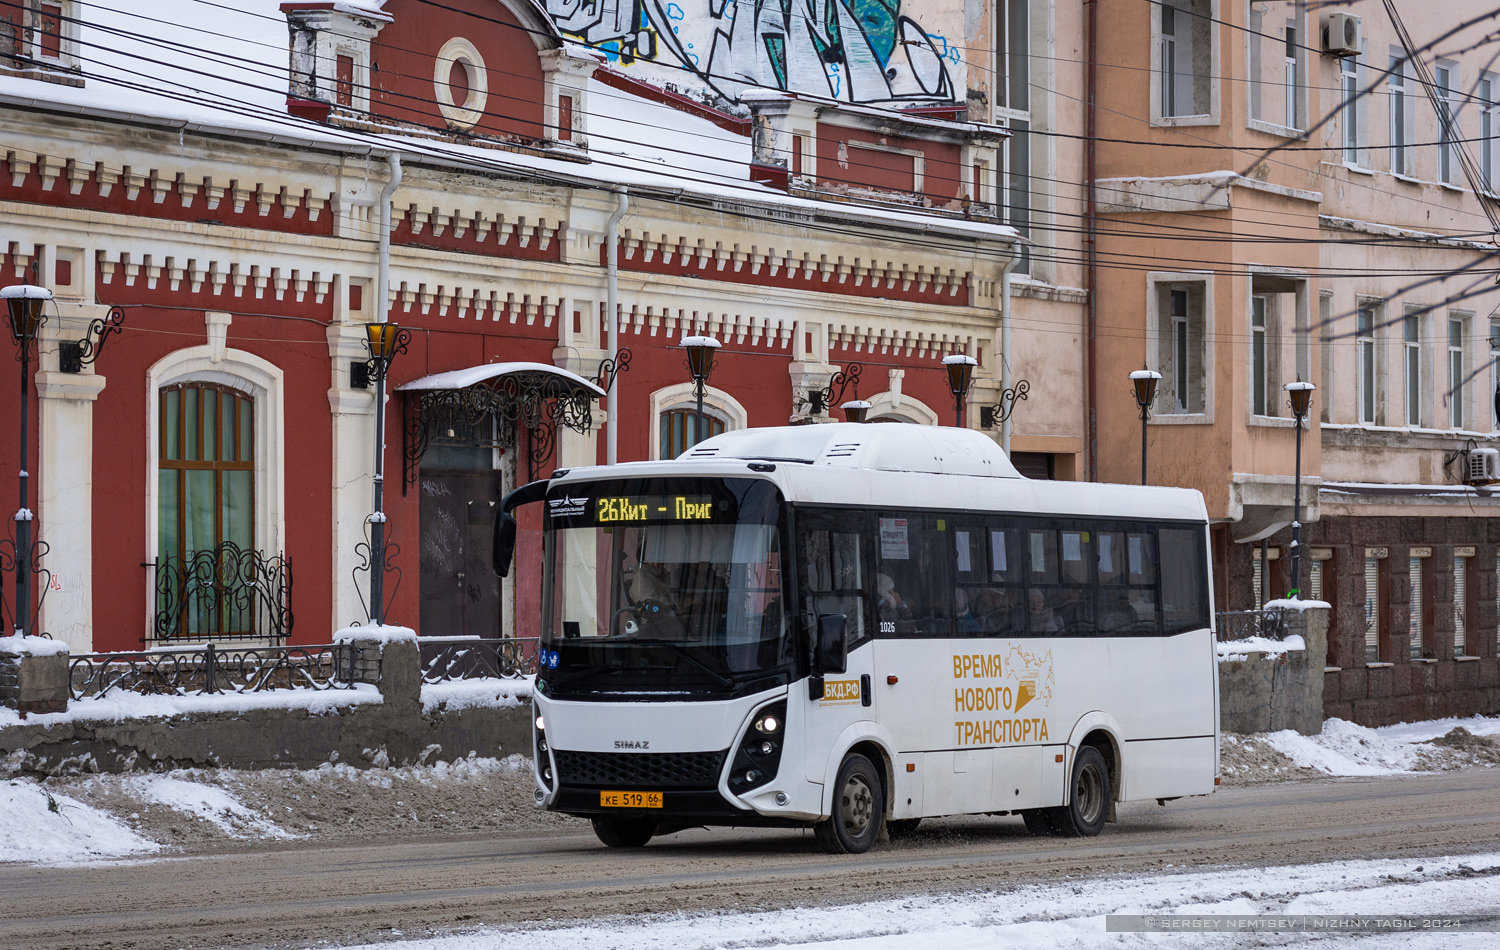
x,y
213,68
892,448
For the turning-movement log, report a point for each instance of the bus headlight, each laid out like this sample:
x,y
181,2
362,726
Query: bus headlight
x,y
759,754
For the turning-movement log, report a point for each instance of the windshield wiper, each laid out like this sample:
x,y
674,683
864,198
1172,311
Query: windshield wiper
x,y
682,652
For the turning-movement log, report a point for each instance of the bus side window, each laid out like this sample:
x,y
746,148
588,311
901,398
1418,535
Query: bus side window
x,y
971,580
833,577
915,580
1184,586
1075,600
1140,572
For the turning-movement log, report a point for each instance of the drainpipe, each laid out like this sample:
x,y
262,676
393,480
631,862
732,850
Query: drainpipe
x,y
612,311
383,282
1005,383
1092,235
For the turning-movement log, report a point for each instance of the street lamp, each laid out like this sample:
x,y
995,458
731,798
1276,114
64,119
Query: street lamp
x,y
960,377
24,303
700,363
384,340
856,410
1144,381
1300,395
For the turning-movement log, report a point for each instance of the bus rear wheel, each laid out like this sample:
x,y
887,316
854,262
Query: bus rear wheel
x,y
1088,807
857,812
624,832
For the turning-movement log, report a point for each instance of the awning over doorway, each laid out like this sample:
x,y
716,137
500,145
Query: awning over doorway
x,y
533,374
530,398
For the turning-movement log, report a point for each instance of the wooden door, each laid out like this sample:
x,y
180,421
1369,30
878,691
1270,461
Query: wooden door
x,y
460,594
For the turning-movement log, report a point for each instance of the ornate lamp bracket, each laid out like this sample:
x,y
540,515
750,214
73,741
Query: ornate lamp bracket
x,y
817,401
991,416
74,354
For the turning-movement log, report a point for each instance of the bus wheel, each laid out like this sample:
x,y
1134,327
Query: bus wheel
x,y
1084,816
858,809
624,832
901,827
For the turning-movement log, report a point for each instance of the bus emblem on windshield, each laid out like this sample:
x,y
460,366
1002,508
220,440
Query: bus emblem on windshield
x,y
566,506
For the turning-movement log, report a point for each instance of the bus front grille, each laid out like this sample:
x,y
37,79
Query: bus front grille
x,y
640,769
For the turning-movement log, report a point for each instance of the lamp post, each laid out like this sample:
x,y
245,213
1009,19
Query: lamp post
x,y
1144,381
384,340
700,363
24,303
856,410
960,377
1300,394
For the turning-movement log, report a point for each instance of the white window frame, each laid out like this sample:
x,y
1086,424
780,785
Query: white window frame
x,y
1162,112
1400,124
1261,400
1159,324
716,403
263,382
1446,79
1367,364
1458,327
1485,91
67,35
1411,370
1353,114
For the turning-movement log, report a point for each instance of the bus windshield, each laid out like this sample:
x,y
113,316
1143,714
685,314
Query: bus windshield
x,y
663,587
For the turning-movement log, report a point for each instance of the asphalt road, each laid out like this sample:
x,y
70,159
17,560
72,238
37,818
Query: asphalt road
x,y
294,895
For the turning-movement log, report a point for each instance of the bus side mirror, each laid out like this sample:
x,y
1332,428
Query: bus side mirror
x,y
503,546
833,648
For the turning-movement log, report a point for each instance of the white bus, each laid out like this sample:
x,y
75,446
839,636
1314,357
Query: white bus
x,y
855,627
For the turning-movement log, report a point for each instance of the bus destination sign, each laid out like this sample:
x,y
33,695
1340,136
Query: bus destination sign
x,y
636,508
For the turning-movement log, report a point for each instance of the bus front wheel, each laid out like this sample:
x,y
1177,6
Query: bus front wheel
x,y
624,832
858,809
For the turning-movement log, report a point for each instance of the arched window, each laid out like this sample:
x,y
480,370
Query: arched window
x,y
675,410
206,469
679,431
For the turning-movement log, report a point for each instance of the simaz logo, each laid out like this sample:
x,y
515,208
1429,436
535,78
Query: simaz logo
x,y
566,506
632,744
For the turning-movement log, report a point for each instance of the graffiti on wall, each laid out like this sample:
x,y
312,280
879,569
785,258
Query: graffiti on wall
x,y
852,50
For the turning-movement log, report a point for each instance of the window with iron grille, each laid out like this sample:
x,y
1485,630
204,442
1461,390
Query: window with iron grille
x,y
1414,615
1460,605
1372,609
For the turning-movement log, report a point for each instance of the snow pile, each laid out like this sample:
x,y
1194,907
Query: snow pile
x,y
41,826
1272,649
31,646
1062,914
453,695
1343,748
210,803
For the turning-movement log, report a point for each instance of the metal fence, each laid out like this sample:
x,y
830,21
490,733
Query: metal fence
x,y
226,592
465,658
1242,624
208,670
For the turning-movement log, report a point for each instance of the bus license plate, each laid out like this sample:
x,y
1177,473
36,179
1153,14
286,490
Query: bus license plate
x,y
630,799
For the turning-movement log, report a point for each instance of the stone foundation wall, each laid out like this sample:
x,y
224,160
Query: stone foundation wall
x,y
1264,693
395,731
1394,686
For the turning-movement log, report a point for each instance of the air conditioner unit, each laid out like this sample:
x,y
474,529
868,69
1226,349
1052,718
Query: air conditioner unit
x,y
1483,466
1343,36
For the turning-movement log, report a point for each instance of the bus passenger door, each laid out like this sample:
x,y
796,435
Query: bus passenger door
x,y
834,569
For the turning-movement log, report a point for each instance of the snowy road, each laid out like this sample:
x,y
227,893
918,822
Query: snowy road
x,y
295,894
